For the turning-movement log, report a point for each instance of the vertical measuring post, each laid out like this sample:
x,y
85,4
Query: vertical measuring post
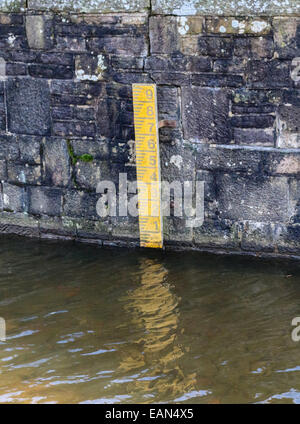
x,y
148,165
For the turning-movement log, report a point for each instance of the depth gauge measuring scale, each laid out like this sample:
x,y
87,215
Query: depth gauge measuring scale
x,y
148,165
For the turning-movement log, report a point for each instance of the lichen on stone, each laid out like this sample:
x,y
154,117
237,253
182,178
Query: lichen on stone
x,y
12,5
91,6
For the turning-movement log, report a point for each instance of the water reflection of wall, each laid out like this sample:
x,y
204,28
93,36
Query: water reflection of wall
x,y
155,347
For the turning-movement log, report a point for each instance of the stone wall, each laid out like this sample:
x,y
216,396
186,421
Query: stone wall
x,y
225,73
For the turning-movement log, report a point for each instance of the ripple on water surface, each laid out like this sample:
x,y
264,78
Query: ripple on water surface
x,y
91,325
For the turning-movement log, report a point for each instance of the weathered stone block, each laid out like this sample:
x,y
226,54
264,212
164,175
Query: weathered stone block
x,y
28,105
97,148
45,201
55,58
123,45
25,56
9,148
229,159
135,26
262,47
168,102
80,204
39,31
210,186
108,118
231,66
90,67
164,36
252,136
84,113
291,97
120,62
177,162
51,71
232,8
205,115
85,90
269,74
18,223
14,198
253,121
217,80
12,5
233,25
30,149
16,69
56,162
288,140
89,230
113,117
125,227
114,90
171,78
12,42
49,226
24,174
87,19
217,234
2,118
248,160
245,109
11,19
88,174
286,37
190,25
288,126
123,152
242,47
63,112
256,198
190,45
67,99
250,98
278,163
3,171
73,44
289,117
176,230
74,129
130,77
178,63
216,46
257,236
288,239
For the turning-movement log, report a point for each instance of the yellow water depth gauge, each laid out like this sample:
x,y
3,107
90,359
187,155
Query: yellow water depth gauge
x,y
148,165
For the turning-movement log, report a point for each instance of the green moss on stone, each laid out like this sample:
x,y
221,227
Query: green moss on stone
x,y
86,157
73,157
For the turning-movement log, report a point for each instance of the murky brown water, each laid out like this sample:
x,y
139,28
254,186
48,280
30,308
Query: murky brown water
x,y
91,325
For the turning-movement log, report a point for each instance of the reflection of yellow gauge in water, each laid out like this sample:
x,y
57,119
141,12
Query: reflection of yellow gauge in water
x,y
155,356
148,164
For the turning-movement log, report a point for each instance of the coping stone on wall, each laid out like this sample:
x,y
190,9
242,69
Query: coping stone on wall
x,y
90,6
225,7
12,5
173,7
